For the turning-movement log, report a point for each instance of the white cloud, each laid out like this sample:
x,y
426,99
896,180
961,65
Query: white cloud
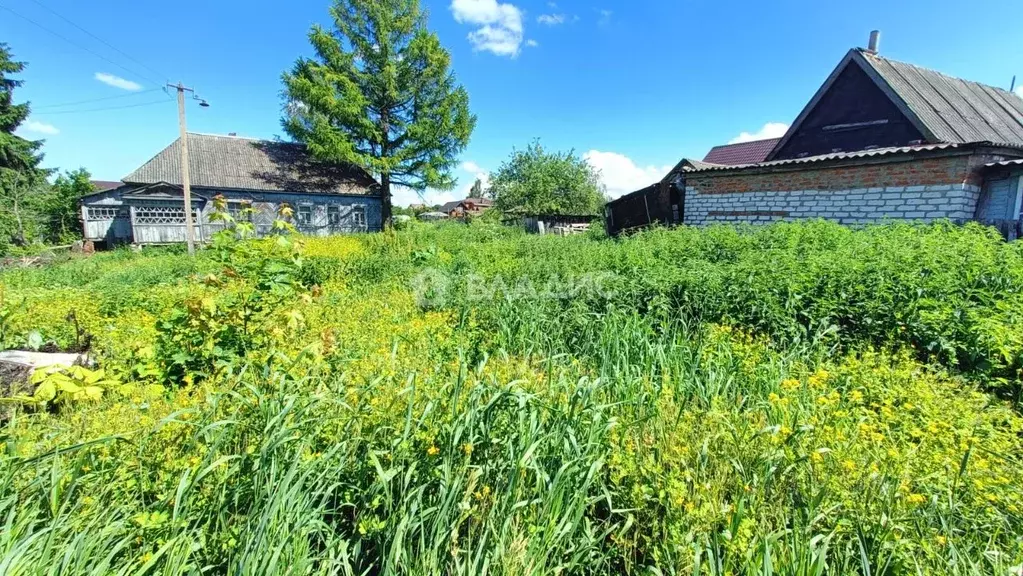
x,y
500,25
620,174
1018,91
605,17
40,127
118,82
769,130
551,19
532,43
471,167
401,196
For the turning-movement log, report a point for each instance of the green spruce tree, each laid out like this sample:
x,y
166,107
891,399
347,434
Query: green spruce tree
x,y
19,158
380,94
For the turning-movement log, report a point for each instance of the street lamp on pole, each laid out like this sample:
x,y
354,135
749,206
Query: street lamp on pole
x,y
185,184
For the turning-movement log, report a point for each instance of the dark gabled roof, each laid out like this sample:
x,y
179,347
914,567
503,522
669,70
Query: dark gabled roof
x,y
233,163
741,153
943,108
951,109
449,206
104,185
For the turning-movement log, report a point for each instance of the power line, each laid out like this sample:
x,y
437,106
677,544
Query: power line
x,y
44,113
37,108
101,40
71,42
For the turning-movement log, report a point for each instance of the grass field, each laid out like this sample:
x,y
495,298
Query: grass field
x,y
799,399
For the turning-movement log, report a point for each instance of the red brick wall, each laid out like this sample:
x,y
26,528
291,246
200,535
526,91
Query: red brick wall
x,y
923,172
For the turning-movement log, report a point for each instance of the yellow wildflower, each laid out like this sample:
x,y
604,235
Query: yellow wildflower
x,y
432,451
468,449
941,540
915,498
790,384
849,465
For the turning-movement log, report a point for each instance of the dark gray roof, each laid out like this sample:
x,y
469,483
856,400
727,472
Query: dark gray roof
x,y
233,163
952,109
104,185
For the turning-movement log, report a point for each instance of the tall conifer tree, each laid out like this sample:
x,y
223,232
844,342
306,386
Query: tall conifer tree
x,y
379,93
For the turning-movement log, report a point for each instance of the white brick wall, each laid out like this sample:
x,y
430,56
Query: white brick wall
x,y
858,206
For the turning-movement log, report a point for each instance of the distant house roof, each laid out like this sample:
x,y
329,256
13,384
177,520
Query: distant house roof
x,y
943,108
233,163
104,185
482,202
741,153
449,206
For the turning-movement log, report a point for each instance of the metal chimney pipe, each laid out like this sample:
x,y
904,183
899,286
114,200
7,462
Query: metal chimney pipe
x,y
875,41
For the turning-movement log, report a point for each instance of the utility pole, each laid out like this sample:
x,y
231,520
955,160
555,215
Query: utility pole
x,y
185,184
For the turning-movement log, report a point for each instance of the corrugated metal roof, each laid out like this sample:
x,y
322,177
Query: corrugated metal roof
x,y
230,162
695,166
1017,162
741,153
954,110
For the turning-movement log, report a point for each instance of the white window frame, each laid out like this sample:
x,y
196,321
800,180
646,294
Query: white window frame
x,y
298,214
334,210
358,214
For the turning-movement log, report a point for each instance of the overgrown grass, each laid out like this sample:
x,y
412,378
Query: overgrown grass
x,y
799,399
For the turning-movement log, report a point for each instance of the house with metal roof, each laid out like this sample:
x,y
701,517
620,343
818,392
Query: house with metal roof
x,y
466,206
879,140
741,152
256,177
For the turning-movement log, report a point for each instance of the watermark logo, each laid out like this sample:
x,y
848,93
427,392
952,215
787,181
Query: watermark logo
x,y
435,288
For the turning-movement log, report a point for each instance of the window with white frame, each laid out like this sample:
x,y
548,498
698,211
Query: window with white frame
x,y
169,213
359,217
105,212
240,211
304,216
333,215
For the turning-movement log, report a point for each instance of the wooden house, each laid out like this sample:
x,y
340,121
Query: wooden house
x,y
148,206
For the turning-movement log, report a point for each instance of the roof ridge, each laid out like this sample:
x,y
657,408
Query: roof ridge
x,y
868,53
235,137
745,142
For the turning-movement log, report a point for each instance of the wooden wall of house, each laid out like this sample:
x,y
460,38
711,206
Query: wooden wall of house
x,y
105,218
853,114
314,214
1000,202
655,204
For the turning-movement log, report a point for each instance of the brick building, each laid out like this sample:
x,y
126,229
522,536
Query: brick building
x,y
879,140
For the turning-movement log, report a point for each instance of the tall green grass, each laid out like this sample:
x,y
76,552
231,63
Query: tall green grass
x,y
740,401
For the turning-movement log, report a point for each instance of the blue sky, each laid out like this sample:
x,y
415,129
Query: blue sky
x,y
632,85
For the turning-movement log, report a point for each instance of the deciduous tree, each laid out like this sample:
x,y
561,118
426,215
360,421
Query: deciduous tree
x,y
60,205
380,94
535,181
